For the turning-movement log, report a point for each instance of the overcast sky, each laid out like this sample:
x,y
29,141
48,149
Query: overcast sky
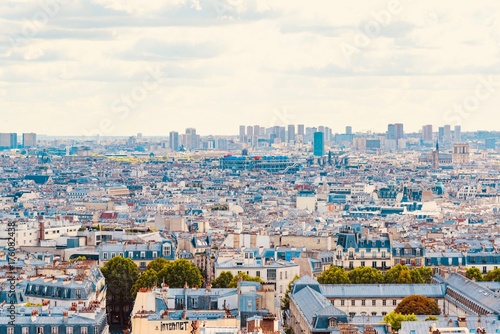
x,y
119,67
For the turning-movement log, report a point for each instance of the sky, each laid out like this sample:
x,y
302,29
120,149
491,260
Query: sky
x,y
121,67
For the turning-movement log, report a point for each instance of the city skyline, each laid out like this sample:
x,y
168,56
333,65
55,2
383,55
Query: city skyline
x,y
117,69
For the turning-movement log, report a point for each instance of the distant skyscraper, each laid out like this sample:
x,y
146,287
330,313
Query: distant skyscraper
x,y
348,130
390,131
447,134
29,139
256,130
457,134
427,133
319,144
300,130
8,140
282,134
441,134
249,131
291,132
242,133
192,139
174,140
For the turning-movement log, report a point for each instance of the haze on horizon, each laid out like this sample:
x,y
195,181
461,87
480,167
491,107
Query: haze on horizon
x,y
75,67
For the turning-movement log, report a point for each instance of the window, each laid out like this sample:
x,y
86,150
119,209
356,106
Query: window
x,y
84,330
417,252
363,302
351,265
374,302
54,330
353,302
342,302
257,273
281,288
394,302
281,275
10,330
105,256
39,330
78,293
121,254
362,263
25,330
96,330
113,255
374,264
155,255
384,302
286,274
383,254
143,255
384,313
362,254
167,250
69,330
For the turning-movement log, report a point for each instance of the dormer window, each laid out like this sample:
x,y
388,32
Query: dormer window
x,y
332,322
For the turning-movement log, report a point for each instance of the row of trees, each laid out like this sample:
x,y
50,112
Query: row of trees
x,y
490,276
398,274
124,280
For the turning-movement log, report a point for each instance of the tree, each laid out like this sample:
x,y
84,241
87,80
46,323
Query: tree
x,y
492,275
147,279
121,274
398,274
223,280
157,264
365,275
244,277
285,302
417,304
395,319
334,275
179,272
425,273
474,273
416,277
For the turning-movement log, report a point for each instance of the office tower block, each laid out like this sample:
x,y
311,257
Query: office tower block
x,y
291,133
457,134
242,133
174,140
29,140
447,134
441,134
328,134
300,130
427,135
249,131
348,130
391,131
192,139
319,144
8,140
256,130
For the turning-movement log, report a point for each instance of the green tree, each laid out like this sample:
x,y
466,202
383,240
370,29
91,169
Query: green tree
x,y
417,304
223,280
177,273
395,319
474,273
365,275
244,277
157,264
431,318
147,279
334,275
425,273
492,275
416,277
121,274
285,302
398,274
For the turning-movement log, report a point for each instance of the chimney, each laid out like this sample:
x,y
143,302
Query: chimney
x,y
209,286
462,322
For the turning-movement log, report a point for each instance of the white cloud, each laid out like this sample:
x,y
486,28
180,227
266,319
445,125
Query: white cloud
x,y
226,62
